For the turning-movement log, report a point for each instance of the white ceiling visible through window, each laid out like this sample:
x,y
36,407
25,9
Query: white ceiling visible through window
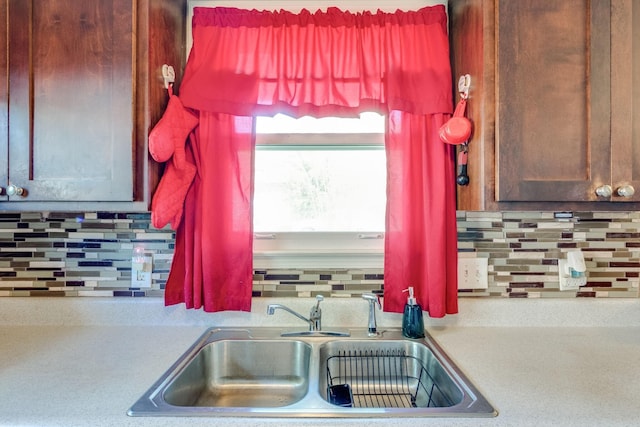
x,y
367,123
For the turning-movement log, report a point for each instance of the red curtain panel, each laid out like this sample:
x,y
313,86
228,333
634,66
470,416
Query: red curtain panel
x,y
246,63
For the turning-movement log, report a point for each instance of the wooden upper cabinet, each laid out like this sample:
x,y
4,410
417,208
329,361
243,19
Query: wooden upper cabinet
x,y
551,102
553,99
71,89
4,96
84,90
625,96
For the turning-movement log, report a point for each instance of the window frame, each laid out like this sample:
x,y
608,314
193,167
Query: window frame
x,y
358,249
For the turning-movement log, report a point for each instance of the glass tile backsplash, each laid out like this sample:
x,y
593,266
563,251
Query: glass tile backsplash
x,y
89,254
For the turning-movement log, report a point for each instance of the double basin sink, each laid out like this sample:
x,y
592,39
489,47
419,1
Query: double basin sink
x,y
261,372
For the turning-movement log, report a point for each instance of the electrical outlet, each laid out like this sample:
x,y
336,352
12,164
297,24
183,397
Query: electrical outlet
x,y
473,273
568,283
141,266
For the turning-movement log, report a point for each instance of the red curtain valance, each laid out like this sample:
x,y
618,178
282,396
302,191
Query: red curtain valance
x,y
331,63
333,17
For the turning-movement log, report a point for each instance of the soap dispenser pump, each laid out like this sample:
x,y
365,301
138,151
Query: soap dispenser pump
x,y
412,321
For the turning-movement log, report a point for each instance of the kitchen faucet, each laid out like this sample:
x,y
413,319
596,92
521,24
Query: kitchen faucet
x,y
372,299
315,317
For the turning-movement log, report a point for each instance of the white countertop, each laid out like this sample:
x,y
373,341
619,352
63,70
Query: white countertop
x,y
88,360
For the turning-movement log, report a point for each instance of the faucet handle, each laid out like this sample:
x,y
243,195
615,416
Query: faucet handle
x,y
315,317
316,311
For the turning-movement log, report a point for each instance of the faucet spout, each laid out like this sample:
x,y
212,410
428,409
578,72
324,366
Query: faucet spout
x,y
271,309
315,317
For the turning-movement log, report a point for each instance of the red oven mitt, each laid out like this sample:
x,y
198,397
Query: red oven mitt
x,y
167,142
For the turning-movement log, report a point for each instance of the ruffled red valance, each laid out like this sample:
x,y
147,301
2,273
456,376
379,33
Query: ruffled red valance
x,y
333,17
331,63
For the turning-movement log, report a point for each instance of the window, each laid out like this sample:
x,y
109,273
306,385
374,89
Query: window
x,y
319,188
320,191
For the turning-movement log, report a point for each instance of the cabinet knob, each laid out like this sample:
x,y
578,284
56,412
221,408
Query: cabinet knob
x,y
14,190
604,191
626,191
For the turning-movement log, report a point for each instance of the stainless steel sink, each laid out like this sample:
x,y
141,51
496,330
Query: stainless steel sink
x,y
386,374
265,372
238,373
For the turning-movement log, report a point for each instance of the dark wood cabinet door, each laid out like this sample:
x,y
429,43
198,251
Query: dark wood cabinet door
x,y
553,100
625,96
4,100
71,112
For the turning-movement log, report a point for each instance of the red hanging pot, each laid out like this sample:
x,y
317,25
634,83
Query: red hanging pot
x,y
457,129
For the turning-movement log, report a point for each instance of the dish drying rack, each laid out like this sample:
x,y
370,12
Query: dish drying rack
x,y
381,379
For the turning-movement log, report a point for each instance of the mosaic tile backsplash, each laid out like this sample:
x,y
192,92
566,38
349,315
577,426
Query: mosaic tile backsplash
x,y
89,254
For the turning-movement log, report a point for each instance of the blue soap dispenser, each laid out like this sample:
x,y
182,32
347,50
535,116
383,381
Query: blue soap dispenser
x,y
412,321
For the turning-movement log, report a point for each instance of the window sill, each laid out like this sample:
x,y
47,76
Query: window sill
x,y
318,259
318,250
